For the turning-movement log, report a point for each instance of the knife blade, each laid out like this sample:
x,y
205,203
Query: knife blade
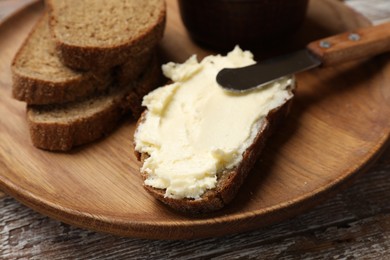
x,y
260,74
348,46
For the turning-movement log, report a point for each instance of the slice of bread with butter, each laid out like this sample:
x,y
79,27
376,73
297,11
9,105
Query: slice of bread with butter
x,y
197,141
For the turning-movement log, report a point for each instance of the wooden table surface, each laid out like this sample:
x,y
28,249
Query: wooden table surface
x,y
354,224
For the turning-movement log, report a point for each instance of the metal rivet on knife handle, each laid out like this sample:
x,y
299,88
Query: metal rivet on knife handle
x,y
325,44
361,43
354,37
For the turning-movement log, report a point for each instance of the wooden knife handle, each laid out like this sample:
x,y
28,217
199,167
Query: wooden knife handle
x,y
361,43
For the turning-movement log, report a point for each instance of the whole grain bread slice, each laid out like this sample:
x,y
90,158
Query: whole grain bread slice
x,y
228,181
39,77
99,34
60,127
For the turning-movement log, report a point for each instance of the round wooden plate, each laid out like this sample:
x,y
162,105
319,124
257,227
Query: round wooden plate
x,y
338,125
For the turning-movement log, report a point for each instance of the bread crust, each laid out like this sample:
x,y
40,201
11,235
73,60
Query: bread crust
x,y
91,57
42,92
229,181
64,136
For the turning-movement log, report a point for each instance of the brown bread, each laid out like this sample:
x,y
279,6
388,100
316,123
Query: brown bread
x,y
40,78
100,34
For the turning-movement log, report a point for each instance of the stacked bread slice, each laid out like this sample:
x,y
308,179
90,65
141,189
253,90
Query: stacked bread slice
x,y
86,64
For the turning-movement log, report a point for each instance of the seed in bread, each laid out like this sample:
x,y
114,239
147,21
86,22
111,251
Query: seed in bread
x,y
198,141
99,34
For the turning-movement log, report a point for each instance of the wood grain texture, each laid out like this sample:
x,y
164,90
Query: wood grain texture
x,y
355,224
337,126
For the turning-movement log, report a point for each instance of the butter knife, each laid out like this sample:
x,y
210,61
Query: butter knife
x,y
348,46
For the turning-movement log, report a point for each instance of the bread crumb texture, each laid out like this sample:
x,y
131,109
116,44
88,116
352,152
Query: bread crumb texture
x,y
104,23
38,58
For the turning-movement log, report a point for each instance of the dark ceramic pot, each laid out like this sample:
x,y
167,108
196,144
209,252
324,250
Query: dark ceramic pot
x,y
222,24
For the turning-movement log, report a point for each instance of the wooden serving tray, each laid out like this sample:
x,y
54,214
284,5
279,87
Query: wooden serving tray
x,y
338,125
